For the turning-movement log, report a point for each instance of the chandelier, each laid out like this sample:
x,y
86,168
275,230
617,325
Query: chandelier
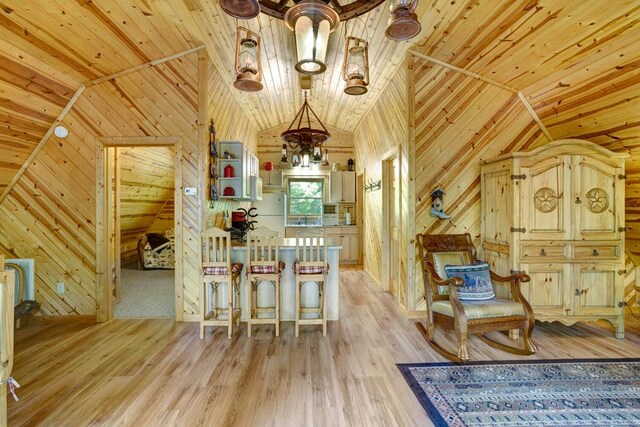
x,y
301,134
313,20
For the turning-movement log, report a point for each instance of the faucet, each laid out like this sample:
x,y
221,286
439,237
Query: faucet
x,y
306,220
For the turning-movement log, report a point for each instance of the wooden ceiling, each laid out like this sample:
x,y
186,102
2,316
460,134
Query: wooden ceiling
x,y
564,55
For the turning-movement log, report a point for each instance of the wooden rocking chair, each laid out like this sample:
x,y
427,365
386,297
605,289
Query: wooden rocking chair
x,y
445,309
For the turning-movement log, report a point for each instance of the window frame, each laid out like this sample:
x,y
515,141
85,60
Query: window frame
x,y
322,182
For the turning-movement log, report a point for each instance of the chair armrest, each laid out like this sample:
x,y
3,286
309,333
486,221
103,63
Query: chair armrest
x,y
452,281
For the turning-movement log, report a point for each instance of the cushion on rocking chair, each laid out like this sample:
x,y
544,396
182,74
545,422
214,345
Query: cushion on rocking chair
x,y
477,281
482,309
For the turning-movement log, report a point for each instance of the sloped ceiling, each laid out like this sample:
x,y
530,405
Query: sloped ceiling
x,y
576,62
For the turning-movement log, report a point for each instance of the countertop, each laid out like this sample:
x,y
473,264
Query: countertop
x,y
321,226
290,244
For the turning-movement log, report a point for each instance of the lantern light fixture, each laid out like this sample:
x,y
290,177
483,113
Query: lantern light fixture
x,y
355,68
312,21
403,21
248,63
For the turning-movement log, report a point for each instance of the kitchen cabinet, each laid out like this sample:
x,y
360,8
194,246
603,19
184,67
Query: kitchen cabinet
x,y
557,214
342,186
347,236
238,172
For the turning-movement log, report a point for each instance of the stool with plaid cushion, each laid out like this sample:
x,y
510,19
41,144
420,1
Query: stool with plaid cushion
x,y
263,266
217,269
311,267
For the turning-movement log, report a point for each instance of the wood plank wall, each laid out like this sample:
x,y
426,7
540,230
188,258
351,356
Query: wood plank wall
x,y
382,130
50,214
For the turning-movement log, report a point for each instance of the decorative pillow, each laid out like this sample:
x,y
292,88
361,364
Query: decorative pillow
x,y
477,281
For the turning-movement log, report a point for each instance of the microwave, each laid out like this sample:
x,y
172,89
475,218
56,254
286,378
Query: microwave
x,y
330,214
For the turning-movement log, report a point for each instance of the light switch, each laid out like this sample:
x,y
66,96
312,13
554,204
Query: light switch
x,y
60,288
190,191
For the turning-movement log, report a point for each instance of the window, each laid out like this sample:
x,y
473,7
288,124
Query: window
x,y
305,202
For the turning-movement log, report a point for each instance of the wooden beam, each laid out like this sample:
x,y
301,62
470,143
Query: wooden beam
x,y
201,134
137,141
533,113
143,66
524,101
411,190
41,144
462,70
179,234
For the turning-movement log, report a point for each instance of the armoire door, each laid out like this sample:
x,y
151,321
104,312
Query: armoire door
x,y
596,289
544,205
547,292
597,199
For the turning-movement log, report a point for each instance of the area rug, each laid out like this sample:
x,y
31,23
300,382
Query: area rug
x,y
578,392
146,293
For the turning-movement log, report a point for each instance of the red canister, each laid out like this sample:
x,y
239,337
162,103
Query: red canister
x,y
228,171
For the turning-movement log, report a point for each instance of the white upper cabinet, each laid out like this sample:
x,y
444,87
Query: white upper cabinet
x,y
342,186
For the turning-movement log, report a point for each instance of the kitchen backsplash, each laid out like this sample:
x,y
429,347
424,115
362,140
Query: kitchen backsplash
x,y
344,208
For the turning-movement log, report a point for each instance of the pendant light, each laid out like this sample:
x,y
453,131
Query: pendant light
x,y
403,22
248,63
312,21
355,68
241,9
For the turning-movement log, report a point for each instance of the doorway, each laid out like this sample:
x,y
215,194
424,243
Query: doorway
x,y
144,218
391,223
139,203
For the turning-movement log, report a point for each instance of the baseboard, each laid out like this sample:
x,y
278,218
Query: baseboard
x,y
61,319
190,317
414,314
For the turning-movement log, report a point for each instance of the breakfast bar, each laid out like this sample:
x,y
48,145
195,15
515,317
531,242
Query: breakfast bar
x,y
287,251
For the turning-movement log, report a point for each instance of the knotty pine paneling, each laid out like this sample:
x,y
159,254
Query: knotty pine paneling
x,y
146,186
50,216
340,145
383,129
460,121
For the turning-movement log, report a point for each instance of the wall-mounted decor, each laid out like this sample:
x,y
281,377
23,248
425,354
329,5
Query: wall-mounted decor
x,y
437,204
213,164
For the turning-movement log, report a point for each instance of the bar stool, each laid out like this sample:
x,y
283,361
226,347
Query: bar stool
x,y
311,266
217,269
263,266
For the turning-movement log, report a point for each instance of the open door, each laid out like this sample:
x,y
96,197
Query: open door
x,y
391,224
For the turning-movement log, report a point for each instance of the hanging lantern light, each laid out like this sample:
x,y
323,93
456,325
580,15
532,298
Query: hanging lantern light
x,y
248,64
403,22
312,21
241,9
355,68
305,156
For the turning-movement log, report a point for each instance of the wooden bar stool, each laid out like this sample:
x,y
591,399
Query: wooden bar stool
x,y
217,269
263,266
311,266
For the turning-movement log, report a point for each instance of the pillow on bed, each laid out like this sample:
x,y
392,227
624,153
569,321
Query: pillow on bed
x,y
155,240
477,281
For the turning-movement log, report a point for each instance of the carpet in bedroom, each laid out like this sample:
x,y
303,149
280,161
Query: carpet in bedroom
x,y
146,293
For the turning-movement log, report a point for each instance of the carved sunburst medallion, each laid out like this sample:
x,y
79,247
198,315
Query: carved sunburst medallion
x,y
546,200
597,200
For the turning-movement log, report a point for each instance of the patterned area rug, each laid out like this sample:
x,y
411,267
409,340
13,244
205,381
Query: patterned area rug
x,y
598,392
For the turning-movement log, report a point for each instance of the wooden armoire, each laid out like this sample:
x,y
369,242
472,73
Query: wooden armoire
x,y
557,214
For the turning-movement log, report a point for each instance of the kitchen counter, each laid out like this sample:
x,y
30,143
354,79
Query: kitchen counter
x,y
286,253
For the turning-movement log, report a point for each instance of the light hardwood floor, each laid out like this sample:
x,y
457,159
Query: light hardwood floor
x,y
157,372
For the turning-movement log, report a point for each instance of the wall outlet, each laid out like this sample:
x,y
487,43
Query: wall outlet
x,y
60,288
190,191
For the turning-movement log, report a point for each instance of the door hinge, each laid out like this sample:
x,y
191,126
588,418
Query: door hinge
x,y
523,176
621,304
621,176
621,272
622,229
517,272
518,230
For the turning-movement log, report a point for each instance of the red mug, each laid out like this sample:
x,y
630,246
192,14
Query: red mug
x,y
228,171
268,166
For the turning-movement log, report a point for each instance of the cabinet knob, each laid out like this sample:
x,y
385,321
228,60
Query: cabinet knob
x,y
595,252
543,252
578,201
578,293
